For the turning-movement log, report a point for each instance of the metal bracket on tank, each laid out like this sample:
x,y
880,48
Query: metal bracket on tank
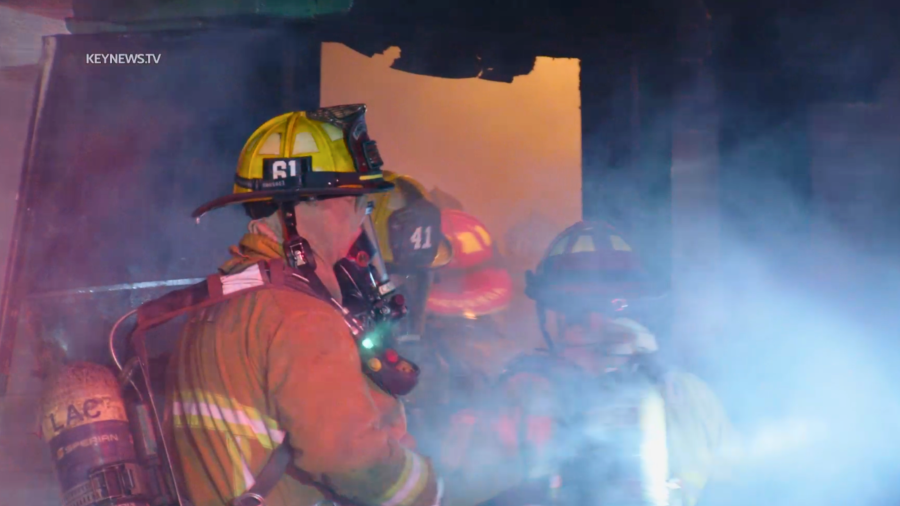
x,y
137,366
111,483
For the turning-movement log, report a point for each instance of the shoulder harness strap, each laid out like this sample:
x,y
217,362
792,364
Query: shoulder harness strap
x,y
216,289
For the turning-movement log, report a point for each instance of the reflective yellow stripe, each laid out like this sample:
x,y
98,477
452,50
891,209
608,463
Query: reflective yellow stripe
x,y
241,477
691,486
411,483
698,432
243,420
407,467
238,423
225,401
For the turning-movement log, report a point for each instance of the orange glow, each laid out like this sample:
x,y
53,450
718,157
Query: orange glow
x,y
504,150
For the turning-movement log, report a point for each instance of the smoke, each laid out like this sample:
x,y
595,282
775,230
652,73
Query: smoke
x,y
815,405
126,152
806,317
805,360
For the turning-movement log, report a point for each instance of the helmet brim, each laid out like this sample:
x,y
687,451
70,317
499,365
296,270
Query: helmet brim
x,y
475,293
575,297
291,195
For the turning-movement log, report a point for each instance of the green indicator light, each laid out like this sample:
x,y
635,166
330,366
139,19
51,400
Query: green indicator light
x,y
368,344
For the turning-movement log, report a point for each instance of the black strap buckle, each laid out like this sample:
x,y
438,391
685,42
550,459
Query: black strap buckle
x,y
297,250
298,253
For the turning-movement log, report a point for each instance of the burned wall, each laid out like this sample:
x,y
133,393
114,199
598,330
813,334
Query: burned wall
x,y
119,155
25,464
855,155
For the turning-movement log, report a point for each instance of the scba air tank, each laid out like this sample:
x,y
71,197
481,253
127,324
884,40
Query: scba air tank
x,y
85,423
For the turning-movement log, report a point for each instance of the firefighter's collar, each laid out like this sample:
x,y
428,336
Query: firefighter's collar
x,y
251,249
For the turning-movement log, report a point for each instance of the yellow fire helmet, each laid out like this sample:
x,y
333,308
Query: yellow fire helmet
x,y
300,155
408,226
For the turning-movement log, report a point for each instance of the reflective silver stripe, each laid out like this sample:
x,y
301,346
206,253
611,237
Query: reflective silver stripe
x,y
229,416
249,479
409,487
117,288
248,278
238,425
440,493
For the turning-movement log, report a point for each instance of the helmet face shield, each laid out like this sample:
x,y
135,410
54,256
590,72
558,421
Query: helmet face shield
x,y
575,329
596,342
585,312
351,119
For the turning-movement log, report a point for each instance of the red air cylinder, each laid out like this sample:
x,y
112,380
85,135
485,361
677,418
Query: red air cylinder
x,y
85,423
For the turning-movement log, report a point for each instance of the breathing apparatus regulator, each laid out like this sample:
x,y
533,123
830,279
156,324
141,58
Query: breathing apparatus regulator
x,y
369,306
105,430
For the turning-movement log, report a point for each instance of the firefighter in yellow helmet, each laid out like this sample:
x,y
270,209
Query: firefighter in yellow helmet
x,y
595,418
413,245
409,230
276,365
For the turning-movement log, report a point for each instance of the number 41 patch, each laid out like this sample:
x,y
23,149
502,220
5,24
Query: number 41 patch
x,y
421,238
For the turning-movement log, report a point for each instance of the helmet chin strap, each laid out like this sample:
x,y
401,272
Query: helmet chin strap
x,y
299,254
391,372
297,251
542,321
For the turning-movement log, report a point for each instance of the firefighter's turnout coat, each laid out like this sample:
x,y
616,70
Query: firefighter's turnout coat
x,y
273,363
